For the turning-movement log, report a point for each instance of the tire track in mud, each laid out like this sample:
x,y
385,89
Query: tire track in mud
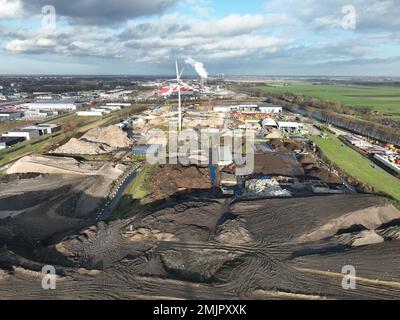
x,y
262,267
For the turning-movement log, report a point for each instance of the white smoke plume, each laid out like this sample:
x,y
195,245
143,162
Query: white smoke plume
x,y
199,67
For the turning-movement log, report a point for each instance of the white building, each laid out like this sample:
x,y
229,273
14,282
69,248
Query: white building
x,y
90,113
290,125
105,111
270,109
44,128
38,114
118,104
112,108
24,133
10,115
223,109
269,123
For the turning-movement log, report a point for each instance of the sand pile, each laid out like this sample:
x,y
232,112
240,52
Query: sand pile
x,y
44,165
96,141
112,136
364,238
75,146
369,218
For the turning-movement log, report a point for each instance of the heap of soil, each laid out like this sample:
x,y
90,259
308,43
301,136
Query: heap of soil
x,y
270,248
75,146
313,170
322,175
112,136
276,164
172,179
284,145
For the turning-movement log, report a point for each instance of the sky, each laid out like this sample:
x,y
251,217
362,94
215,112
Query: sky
x,y
231,37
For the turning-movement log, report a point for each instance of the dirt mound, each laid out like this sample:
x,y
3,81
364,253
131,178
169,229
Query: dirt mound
x,y
222,250
75,146
113,136
62,165
172,179
233,232
364,238
370,218
323,175
285,145
199,265
277,164
307,159
41,164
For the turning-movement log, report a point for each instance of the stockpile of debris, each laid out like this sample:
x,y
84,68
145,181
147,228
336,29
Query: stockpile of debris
x,y
264,188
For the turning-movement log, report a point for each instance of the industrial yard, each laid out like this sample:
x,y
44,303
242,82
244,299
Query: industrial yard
x,y
115,226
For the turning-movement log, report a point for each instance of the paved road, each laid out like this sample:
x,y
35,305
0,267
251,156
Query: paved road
x,y
107,210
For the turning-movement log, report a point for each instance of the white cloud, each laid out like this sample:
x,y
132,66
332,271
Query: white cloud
x,y
10,9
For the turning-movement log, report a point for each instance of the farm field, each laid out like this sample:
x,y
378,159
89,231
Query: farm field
x,y
355,165
384,99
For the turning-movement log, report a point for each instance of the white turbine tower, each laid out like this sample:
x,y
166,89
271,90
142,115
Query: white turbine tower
x,y
178,80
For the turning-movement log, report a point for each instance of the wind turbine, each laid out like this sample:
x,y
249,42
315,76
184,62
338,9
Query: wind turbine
x,y
179,85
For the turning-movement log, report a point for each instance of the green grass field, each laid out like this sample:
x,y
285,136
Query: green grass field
x,y
138,189
357,166
384,99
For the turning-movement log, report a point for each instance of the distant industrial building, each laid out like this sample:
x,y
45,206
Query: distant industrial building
x,y
50,106
10,115
45,128
104,111
118,104
290,125
33,132
270,108
111,108
90,113
269,123
27,134
37,114
253,108
6,142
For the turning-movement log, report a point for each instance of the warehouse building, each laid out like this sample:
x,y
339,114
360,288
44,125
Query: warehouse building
x,y
27,134
6,142
90,113
270,108
290,125
45,128
10,115
50,106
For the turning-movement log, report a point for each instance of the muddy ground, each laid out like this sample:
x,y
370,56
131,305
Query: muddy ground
x,y
215,249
